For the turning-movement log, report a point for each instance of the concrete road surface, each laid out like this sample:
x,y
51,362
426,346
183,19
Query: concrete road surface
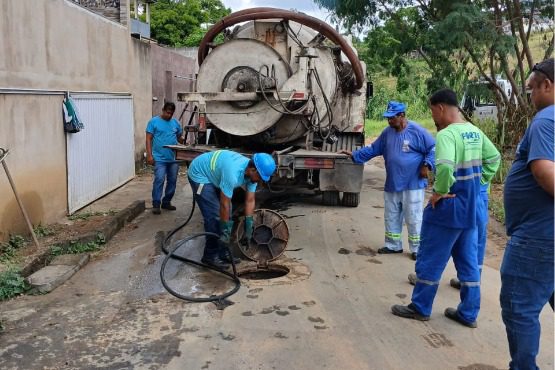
x,y
331,312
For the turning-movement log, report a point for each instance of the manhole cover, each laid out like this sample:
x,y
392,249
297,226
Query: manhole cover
x,y
269,239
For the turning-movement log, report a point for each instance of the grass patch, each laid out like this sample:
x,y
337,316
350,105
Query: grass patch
x,y
78,247
373,128
42,231
74,248
12,284
503,171
497,209
86,215
8,250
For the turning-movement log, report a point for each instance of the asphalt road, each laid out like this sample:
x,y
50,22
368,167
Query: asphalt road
x,y
332,311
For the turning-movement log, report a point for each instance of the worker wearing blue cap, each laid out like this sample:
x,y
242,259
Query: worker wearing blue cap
x,y
408,151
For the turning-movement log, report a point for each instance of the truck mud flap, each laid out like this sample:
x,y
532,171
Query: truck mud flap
x,y
346,177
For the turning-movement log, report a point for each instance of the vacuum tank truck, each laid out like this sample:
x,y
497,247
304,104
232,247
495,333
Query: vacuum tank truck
x,y
286,84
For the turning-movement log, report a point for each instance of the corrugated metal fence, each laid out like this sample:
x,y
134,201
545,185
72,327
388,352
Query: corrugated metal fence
x,y
100,158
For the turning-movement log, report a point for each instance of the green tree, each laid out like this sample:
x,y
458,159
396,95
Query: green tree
x,y
183,22
457,40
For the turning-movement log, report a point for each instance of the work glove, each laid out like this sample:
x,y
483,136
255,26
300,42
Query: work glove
x,y
249,227
225,231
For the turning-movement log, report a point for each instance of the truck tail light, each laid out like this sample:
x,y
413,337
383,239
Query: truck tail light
x,y
320,163
202,121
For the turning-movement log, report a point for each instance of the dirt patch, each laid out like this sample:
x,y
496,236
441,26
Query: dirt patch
x,y
495,247
93,227
497,237
366,251
60,234
478,367
73,228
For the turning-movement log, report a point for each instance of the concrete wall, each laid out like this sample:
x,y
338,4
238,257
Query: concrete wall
x,y
64,47
168,71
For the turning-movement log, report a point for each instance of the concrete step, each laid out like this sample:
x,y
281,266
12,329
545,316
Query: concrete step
x,y
60,270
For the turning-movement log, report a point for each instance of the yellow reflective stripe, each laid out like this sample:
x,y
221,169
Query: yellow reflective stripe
x,y
214,159
392,236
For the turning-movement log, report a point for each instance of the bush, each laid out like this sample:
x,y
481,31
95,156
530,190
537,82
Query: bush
x,y
414,97
9,249
12,284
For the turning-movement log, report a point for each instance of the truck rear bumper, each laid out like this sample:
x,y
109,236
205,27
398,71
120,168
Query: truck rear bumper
x,y
337,172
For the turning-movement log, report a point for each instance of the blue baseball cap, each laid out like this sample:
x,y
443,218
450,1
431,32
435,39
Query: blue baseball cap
x,y
394,108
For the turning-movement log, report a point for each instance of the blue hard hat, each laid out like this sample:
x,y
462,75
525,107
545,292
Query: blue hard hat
x,y
265,165
394,108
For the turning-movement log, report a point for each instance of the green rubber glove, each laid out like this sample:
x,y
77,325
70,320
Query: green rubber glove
x,y
225,231
249,227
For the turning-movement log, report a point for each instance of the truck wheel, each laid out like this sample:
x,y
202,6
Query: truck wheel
x,y
351,199
330,198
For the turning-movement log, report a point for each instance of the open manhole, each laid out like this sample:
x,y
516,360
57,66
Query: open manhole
x,y
269,240
258,273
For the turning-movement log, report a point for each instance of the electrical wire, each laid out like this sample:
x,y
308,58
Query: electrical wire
x,y
294,37
327,104
285,111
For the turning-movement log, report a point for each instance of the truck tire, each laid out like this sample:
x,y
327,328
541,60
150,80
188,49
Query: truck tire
x,y
351,199
330,198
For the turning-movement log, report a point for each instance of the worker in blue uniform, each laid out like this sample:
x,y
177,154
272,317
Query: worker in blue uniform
x,y
213,176
482,219
408,151
465,159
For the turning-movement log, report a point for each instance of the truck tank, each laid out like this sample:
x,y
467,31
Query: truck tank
x,y
288,84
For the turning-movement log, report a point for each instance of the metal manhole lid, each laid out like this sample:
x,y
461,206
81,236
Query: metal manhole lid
x,y
270,236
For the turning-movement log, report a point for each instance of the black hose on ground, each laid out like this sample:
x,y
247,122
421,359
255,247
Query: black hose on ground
x,y
170,254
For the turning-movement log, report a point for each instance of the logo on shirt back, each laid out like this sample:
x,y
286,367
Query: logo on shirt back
x,y
471,136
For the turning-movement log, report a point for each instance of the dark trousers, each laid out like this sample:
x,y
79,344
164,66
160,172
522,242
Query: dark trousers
x,y
208,201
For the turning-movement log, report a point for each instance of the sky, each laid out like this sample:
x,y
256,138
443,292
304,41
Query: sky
x,y
305,6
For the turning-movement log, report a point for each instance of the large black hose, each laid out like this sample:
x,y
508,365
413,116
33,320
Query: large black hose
x,y
170,253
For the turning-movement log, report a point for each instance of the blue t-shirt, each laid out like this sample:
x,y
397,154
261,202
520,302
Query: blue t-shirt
x,y
404,153
163,133
529,208
224,169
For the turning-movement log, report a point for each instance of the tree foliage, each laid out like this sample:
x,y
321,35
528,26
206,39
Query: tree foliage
x,y
180,23
457,40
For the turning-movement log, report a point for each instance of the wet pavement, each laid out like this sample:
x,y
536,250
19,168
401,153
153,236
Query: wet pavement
x,y
330,312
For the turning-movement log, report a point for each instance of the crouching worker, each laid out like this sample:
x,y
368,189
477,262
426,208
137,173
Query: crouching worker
x,y
213,176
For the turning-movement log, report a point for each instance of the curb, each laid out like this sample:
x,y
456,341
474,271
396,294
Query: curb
x,y
59,271
108,230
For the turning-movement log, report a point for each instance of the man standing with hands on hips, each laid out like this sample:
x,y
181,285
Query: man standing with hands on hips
x,y
465,159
